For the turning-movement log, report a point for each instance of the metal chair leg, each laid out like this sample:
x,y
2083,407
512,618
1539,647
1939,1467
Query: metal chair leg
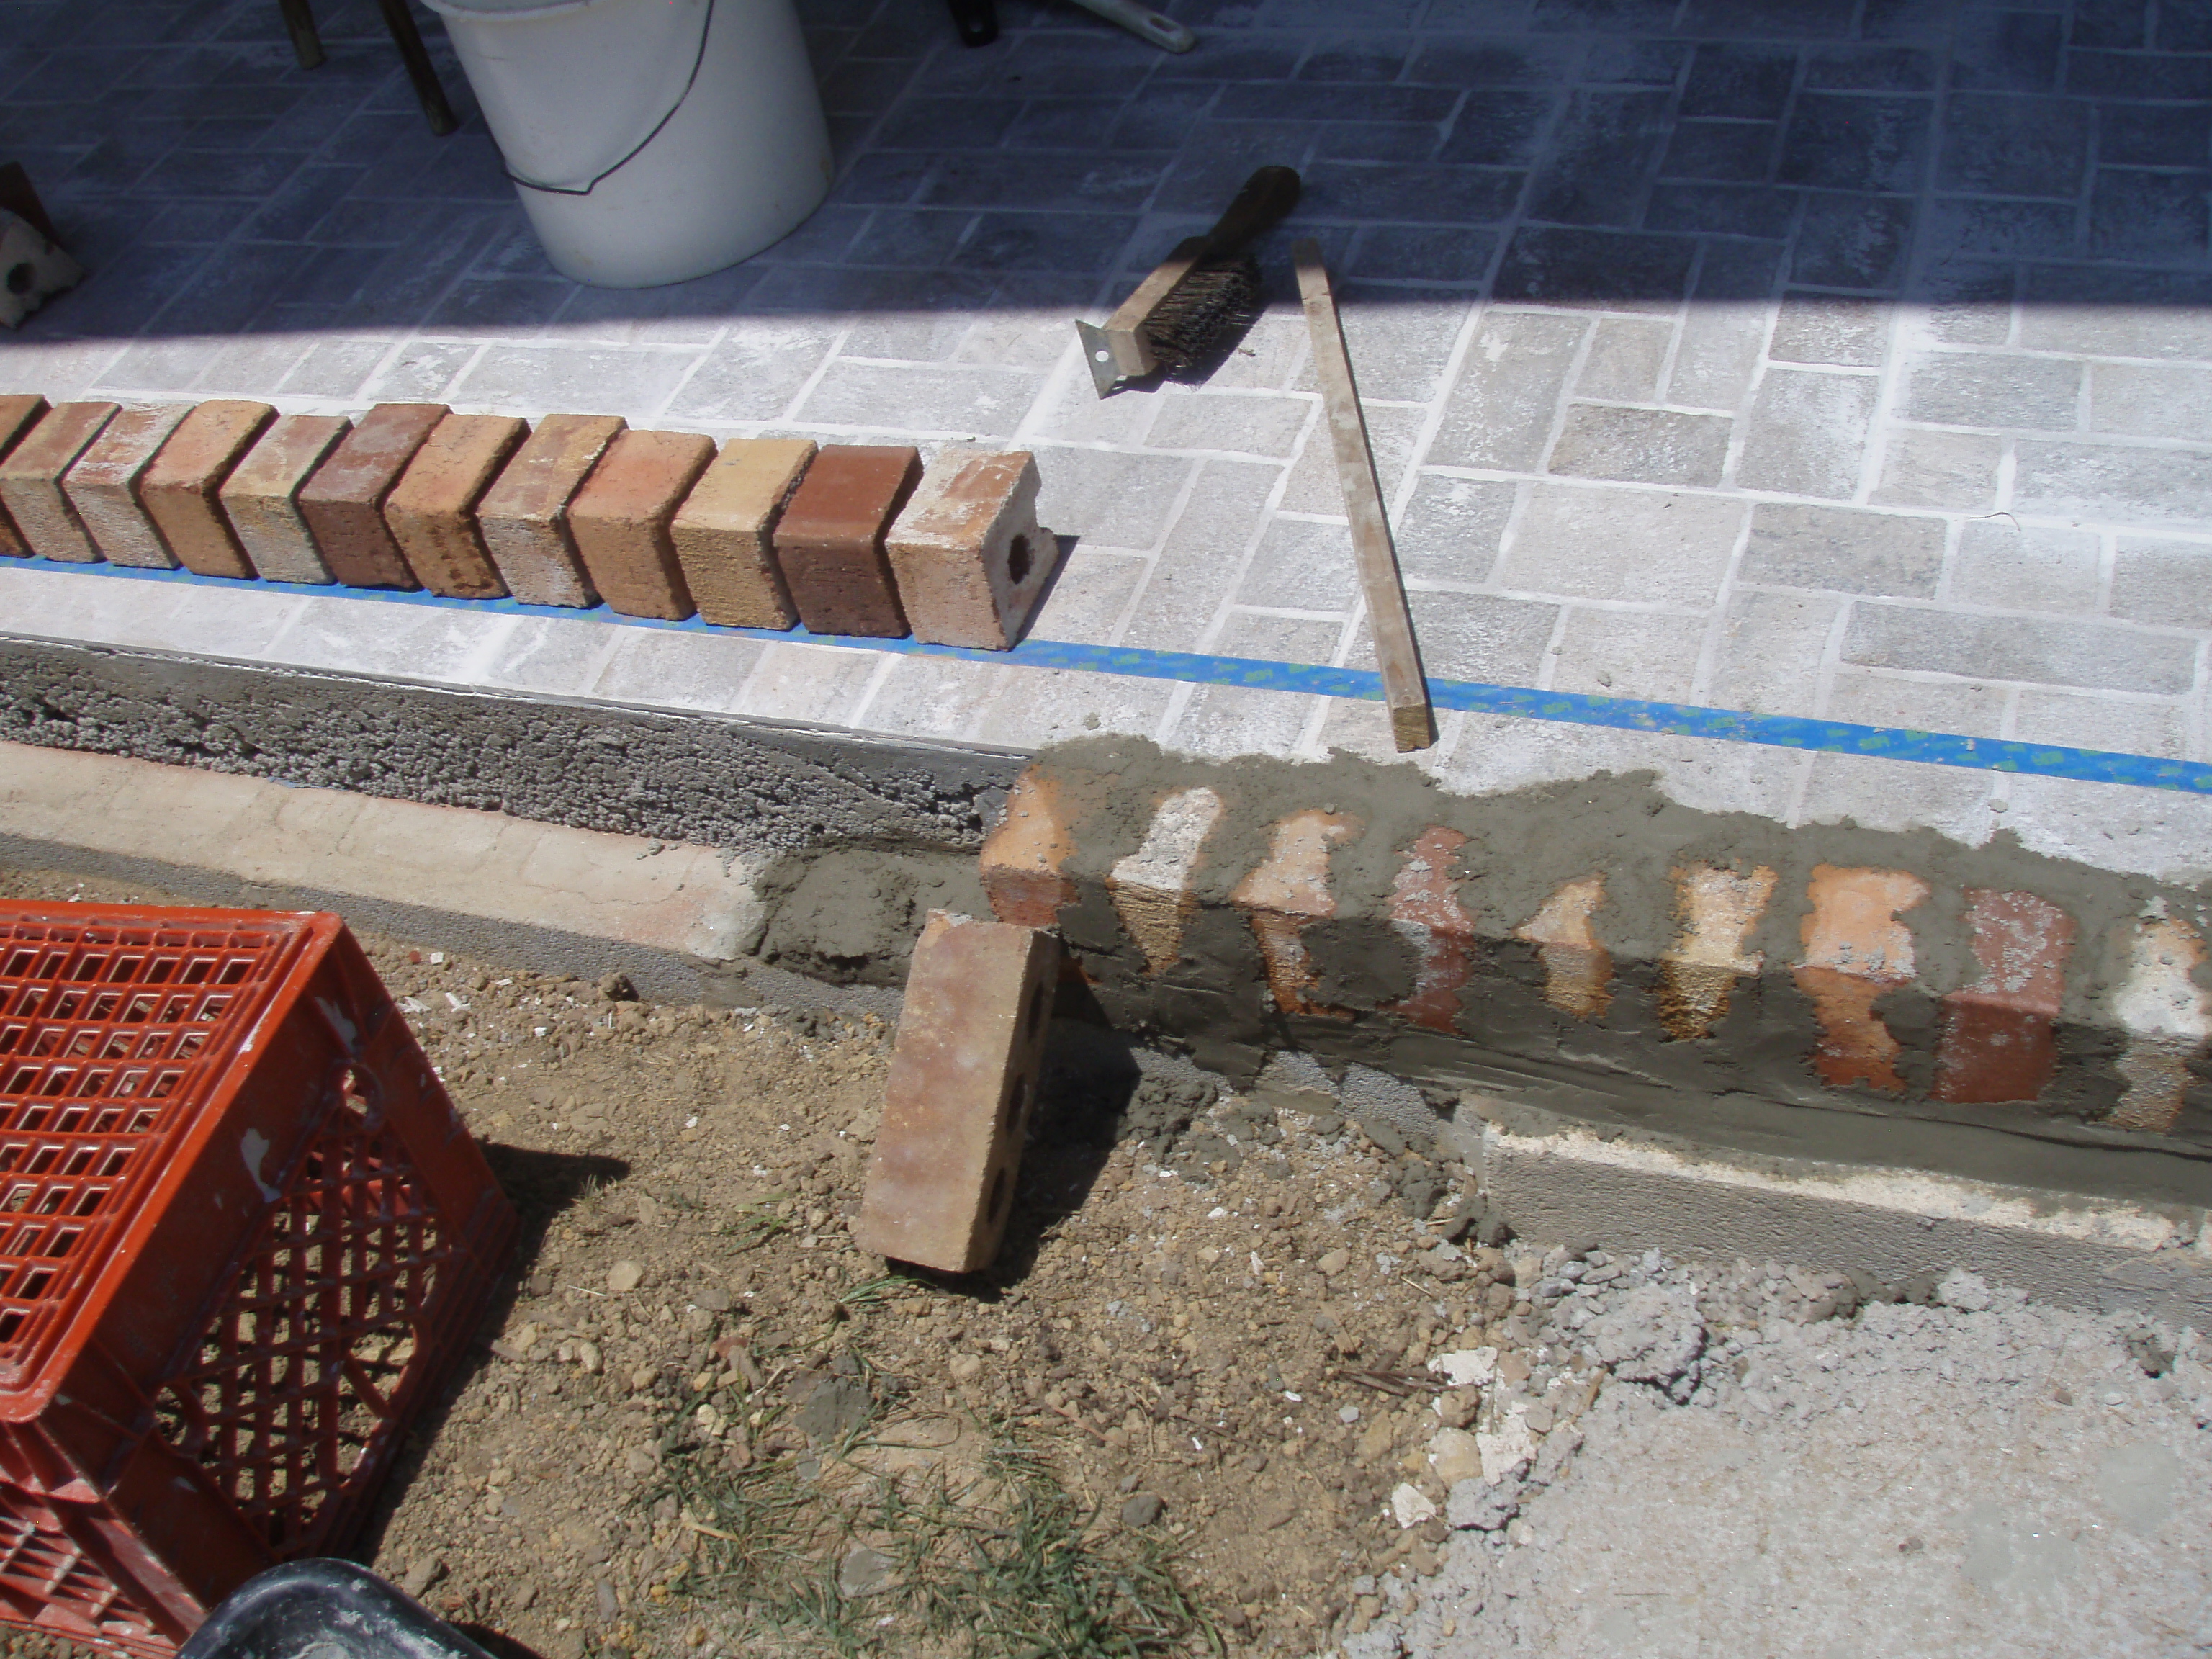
x,y
299,23
420,70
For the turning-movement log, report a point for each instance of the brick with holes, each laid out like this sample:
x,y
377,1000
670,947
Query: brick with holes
x,y
956,1103
971,560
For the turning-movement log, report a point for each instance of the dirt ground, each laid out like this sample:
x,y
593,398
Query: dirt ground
x,y
1172,1418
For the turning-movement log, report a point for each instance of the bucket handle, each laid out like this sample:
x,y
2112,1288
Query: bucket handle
x,y
706,27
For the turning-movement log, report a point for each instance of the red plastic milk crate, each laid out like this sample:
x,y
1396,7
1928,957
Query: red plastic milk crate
x,y
243,1236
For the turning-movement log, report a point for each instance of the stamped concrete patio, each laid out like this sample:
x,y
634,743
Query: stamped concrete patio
x,y
1837,357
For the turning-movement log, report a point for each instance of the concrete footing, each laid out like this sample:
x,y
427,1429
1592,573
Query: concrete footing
x,y
2100,1255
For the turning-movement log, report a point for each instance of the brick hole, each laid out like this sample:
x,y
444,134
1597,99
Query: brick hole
x,y
1019,561
1036,1010
1018,1100
1002,1194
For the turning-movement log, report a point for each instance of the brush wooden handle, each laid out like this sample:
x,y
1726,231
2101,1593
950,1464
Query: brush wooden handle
x,y
1265,202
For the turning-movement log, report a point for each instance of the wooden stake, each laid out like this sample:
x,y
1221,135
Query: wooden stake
x,y
1404,688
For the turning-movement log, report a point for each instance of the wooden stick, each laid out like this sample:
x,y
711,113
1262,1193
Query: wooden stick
x,y
1404,688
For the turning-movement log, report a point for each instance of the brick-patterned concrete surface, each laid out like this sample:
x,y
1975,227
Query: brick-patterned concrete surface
x,y
1849,357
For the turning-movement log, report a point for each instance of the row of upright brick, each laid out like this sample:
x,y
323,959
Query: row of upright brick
x,y
2009,1033
849,539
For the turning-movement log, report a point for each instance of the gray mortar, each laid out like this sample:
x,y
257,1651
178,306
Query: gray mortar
x,y
1745,1085
709,780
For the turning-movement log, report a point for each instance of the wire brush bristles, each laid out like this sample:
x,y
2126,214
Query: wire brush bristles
x,y
1205,313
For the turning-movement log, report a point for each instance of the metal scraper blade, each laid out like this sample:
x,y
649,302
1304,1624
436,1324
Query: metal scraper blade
x,y
1105,373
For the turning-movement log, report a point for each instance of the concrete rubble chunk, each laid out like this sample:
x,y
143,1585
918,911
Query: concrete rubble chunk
x,y
724,532
31,481
180,490
830,541
103,485
18,415
431,509
971,561
524,516
620,519
261,497
956,1103
343,502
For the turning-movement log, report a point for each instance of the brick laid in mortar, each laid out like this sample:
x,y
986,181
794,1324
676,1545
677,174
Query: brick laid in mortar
x,y
1998,1041
179,489
524,516
724,532
970,558
18,415
620,519
103,485
261,496
31,481
1287,891
831,538
957,1101
343,502
431,509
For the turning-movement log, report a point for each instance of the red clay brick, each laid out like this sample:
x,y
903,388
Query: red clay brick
x,y
1577,968
18,415
343,502
103,485
956,1103
431,509
971,560
1999,1040
179,489
620,519
1289,889
261,497
1152,887
724,532
1022,858
830,539
1855,952
1425,907
31,481
524,514
1718,908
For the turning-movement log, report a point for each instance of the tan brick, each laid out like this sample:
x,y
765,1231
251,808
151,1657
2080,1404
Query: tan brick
x,y
431,509
1151,887
261,496
1577,968
179,489
343,502
524,514
1424,908
103,485
1857,952
18,415
1718,909
830,541
970,558
724,532
1287,892
1022,858
956,1103
620,519
2167,1018
31,481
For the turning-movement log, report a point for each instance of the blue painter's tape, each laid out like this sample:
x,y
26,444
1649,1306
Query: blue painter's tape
x,y
1568,707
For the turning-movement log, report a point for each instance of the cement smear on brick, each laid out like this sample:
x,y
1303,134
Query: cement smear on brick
x,y
1745,1084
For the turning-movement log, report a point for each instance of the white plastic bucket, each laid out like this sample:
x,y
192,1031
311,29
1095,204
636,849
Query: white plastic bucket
x,y
651,140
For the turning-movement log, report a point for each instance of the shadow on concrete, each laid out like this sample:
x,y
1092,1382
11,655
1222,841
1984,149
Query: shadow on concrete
x,y
1627,152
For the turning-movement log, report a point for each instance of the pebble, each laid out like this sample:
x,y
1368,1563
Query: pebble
x,y
625,1276
1141,1511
